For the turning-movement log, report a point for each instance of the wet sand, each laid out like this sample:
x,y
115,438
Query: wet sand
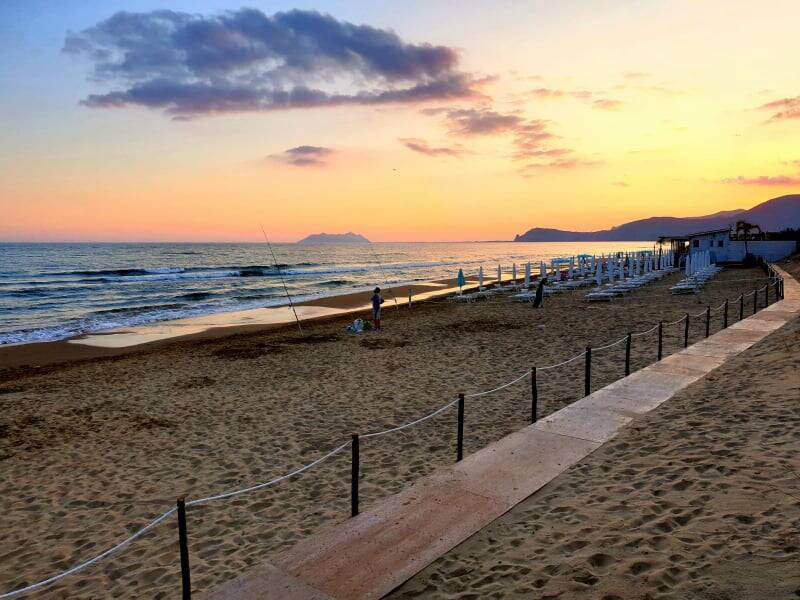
x,y
92,450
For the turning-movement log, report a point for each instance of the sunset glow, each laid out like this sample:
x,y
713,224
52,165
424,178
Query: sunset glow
x,y
462,125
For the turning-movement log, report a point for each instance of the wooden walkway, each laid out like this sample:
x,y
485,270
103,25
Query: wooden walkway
x,y
366,557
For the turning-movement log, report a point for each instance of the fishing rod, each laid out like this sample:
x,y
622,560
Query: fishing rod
x,y
380,264
283,281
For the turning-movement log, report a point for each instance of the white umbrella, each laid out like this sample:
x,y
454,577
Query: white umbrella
x,y
513,273
499,275
571,270
598,273
480,279
582,266
527,274
542,271
688,269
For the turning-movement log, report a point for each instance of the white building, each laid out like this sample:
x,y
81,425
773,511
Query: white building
x,y
724,249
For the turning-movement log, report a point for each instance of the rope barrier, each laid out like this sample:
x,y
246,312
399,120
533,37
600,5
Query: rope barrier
x,y
561,364
271,482
641,333
502,387
620,340
700,314
683,318
412,423
91,561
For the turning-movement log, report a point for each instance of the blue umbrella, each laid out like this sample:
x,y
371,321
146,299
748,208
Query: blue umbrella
x,y
461,280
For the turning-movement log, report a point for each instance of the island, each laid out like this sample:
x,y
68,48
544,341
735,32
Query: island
x,y
334,238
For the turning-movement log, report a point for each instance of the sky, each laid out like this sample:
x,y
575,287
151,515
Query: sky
x,y
414,121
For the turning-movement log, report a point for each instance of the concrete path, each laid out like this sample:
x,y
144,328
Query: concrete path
x,y
366,557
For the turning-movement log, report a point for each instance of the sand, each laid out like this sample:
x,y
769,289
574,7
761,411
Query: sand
x,y
699,499
92,450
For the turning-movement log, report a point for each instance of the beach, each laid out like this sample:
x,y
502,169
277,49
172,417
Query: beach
x,y
95,448
698,499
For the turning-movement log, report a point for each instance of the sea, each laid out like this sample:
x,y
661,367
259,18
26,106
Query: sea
x,y
58,291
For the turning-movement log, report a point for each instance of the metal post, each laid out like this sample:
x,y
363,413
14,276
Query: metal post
x,y
686,332
766,295
741,306
460,435
755,300
534,395
628,354
354,469
725,315
183,544
587,382
708,320
660,338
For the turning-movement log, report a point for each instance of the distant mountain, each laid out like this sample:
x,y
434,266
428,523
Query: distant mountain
x,y
334,238
773,215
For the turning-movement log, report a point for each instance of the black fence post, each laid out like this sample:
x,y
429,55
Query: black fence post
x,y
686,331
725,315
628,341
660,338
183,543
534,395
708,320
460,434
355,463
741,306
755,300
766,295
587,383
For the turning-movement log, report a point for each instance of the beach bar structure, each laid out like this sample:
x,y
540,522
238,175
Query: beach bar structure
x,y
723,247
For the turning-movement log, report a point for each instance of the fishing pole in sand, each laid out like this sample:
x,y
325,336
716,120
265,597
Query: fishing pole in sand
x,y
283,281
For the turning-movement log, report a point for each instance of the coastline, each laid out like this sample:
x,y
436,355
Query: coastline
x,y
119,342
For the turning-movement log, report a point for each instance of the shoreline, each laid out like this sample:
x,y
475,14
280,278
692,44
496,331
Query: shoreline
x,y
128,340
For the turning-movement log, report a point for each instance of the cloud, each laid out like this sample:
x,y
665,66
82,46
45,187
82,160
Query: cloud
x,y
607,104
763,180
190,65
635,75
304,156
783,109
480,121
620,184
421,146
561,163
547,93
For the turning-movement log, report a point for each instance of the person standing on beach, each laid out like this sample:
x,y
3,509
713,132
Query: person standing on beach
x,y
376,308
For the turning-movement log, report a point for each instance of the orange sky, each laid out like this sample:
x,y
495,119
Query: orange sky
x,y
603,115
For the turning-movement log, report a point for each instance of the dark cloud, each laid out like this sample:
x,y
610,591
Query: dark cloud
x,y
304,156
245,60
783,109
763,180
421,146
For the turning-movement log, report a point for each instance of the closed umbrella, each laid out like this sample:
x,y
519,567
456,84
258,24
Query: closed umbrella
x,y
461,280
527,274
499,275
571,269
542,271
598,273
514,273
480,279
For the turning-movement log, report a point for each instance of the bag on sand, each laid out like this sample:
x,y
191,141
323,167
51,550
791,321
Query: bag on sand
x,y
356,327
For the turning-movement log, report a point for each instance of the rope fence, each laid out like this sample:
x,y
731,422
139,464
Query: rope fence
x,y
776,282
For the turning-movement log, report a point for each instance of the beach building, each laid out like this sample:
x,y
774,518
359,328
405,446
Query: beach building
x,y
724,247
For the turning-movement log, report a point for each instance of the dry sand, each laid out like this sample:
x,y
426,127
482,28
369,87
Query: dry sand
x,y
698,500
92,450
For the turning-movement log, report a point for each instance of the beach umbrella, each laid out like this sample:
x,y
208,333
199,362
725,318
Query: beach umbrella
x,y
571,270
461,280
514,272
542,270
480,279
527,274
499,275
582,266
598,273
688,268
